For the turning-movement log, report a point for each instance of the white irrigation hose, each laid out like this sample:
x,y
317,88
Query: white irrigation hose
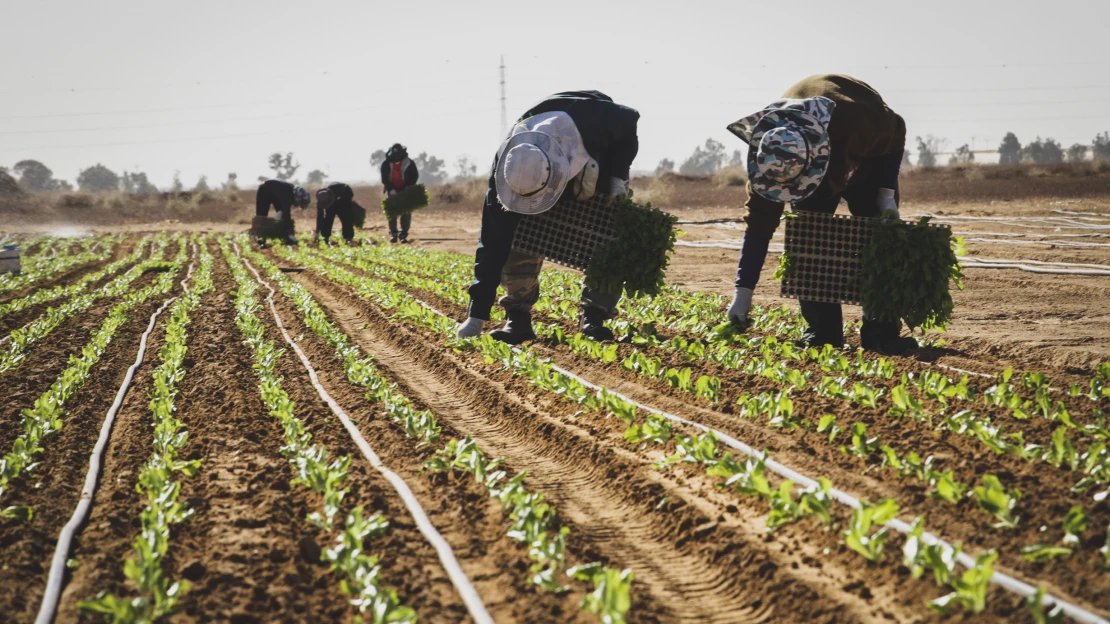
x,y
1051,243
1088,215
1104,267
54,580
462,583
1002,580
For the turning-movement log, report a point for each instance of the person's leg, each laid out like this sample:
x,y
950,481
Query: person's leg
x,y
521,279
393,229
261,204
863,201
406,221
825,319
598,307
346,220
326,223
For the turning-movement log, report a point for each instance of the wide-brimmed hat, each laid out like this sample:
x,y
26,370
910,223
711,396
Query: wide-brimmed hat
x,y
788,147
537,161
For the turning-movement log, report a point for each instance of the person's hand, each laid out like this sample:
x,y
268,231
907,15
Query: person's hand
x,y
392,193
278,215
471,328
888,206
741,305
618,187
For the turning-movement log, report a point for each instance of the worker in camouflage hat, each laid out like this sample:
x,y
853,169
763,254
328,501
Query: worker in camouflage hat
x,y
831,137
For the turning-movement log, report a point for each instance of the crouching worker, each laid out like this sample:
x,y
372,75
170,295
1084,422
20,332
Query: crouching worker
x,y
399,173
830,138
282,196
335,200
578,143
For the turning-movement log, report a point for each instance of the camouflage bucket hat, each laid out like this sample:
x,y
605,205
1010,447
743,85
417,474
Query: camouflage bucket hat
x,y
788,145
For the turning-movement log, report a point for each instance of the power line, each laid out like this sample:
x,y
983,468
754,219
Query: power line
x,y
504,110
141,111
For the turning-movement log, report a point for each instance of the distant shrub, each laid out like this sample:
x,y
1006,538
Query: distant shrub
x,y
731,176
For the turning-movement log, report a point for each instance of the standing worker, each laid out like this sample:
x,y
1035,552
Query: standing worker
x,y
335,200
830,137
568,142
282,196
399,173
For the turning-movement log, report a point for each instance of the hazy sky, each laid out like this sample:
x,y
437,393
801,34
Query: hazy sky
x,y
206,87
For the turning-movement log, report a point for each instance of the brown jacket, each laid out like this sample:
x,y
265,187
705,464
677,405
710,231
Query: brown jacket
x,y
862,127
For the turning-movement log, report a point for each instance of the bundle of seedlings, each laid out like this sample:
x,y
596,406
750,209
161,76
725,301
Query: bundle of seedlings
x,y
358,215
637,259
906,272
412,198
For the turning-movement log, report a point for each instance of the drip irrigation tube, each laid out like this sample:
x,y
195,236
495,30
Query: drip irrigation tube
x,y
54,580
462,583
1001,579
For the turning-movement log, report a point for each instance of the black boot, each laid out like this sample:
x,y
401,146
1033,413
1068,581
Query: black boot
x,y
825,324
883,337
517,329
593,324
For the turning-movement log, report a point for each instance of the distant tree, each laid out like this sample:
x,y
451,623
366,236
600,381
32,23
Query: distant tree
x,y
704,161
430,168
737,159
1009,151
927,149
177,186
8,185
1046,152
137,183
962,156
97,179
316,178
465,169
232,183
283,166
35,176
1100,146
665,166
202,185
906,162
377,158
1077,153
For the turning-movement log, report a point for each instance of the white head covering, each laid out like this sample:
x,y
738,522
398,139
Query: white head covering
x,y
537,161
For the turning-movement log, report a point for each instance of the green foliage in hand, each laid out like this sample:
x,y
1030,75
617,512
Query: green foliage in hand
x,y
637,260
906,270
412,198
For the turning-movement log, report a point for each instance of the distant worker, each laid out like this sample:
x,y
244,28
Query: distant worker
x,y
335,200
399,173
282,196
578,142
831,137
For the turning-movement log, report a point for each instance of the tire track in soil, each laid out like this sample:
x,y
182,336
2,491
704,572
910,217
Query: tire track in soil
x,y
687,577
249,552
472,522
1046,487
50,356
56,484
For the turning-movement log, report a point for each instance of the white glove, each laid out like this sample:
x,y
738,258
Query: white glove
x,y
392,193
741,304
471,328
277,215
618,187
887,204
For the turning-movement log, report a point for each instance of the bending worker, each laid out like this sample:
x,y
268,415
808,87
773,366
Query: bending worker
x,y
335,200
282,196
399,173
830,137
577,142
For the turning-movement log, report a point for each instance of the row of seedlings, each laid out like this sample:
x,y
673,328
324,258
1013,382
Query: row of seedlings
x,y
23,339
48,266
46,416
349,558
534,522
158,478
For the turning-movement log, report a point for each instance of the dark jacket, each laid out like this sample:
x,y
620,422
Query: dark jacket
x,y
277,194
862,131
408,171
609,135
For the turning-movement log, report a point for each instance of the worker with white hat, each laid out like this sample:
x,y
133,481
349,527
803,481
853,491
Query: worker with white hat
x,y
575,143
831,137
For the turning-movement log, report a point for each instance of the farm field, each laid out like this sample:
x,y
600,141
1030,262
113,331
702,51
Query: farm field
x,y
315,445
